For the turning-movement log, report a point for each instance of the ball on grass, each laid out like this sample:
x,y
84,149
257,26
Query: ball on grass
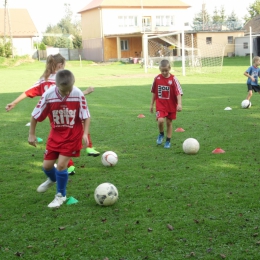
x,y
109,158
191,146
246,104
106,194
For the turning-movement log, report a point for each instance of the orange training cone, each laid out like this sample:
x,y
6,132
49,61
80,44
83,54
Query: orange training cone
x,y
141,116
218,150
179,130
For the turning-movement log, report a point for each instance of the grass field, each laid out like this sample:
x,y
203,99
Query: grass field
x,y
171,205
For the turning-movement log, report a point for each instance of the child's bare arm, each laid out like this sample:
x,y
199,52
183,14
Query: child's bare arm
x,y
11,105
179,106
32,135
86,123
88,91
249,76
152,103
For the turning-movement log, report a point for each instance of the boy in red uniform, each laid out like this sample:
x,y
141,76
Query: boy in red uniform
x,y
54,63
67,109
167,94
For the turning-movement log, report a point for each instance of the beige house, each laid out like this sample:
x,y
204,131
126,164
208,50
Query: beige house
x,y
213,43
114,29
21,29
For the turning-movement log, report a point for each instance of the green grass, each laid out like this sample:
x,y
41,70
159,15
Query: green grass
x,y
210,200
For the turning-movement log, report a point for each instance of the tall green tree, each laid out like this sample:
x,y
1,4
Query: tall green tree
x,y
63,42
65,26
219,15
253,10
202,17
232,17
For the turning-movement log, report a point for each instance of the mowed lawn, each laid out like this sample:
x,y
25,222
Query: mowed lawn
x,y
171,205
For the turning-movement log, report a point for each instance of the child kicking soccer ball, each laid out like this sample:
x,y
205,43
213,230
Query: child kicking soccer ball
x,y
67,109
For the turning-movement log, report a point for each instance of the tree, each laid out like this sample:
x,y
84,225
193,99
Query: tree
x,y
218,21
254,9
232,17
77,42
219,15
63,42
5,48
202,17
64,26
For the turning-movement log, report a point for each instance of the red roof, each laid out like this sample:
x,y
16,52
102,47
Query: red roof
x,y
20,21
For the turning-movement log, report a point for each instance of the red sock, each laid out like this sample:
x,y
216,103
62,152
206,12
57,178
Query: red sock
x,y
70,163
89,141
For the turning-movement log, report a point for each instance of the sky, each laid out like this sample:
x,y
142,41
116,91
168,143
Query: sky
x,y
51,12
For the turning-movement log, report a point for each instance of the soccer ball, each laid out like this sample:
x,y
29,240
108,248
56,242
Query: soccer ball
x,y
109,158
246,104
106,194
191,146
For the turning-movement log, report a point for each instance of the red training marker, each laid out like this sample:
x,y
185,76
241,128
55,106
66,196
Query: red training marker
x,y
218,150
141,116
179,130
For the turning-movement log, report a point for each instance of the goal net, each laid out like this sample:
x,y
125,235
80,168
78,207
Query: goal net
x,y
184,50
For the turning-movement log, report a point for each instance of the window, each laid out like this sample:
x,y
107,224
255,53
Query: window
x,y
245,44
166,20
124,45
230,39
132,21
209,40
125,21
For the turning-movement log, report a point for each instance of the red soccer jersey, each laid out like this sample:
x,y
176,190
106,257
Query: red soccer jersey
x,y
41,86
166,91
66,115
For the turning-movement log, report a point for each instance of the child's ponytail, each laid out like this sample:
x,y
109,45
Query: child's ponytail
x,y
51,64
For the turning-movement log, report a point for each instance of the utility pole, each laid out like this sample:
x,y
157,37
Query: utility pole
x,y
203,14
7,17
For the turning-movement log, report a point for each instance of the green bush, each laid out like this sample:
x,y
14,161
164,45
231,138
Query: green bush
x,y
6,49
40,46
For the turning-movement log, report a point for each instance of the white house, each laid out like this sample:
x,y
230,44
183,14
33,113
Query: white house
x,y
114,29
21,29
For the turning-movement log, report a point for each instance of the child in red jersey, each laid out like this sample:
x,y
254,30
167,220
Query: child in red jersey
x,y
54,63
67,110
167,93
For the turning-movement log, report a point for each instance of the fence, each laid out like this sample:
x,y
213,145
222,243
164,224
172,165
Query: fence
x,y
68,54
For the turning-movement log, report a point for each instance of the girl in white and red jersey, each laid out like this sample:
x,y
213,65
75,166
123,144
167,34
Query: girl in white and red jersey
x,y
167,94
54,63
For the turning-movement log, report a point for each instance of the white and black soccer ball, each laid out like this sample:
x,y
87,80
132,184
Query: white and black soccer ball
x,y
191,146
106,194
109,158
246,104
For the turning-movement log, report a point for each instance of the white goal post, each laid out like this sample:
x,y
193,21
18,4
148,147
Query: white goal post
x,y
196,55
148,55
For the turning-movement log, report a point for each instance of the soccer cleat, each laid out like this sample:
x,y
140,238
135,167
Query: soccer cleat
x,y
159,139
167,144
71,170
58,201
92,152
46,185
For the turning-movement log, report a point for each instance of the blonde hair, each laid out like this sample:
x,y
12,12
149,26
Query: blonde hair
x,y
255,59
51,65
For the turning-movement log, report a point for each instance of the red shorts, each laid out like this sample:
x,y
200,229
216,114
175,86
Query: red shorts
x,y
52,155
163,114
